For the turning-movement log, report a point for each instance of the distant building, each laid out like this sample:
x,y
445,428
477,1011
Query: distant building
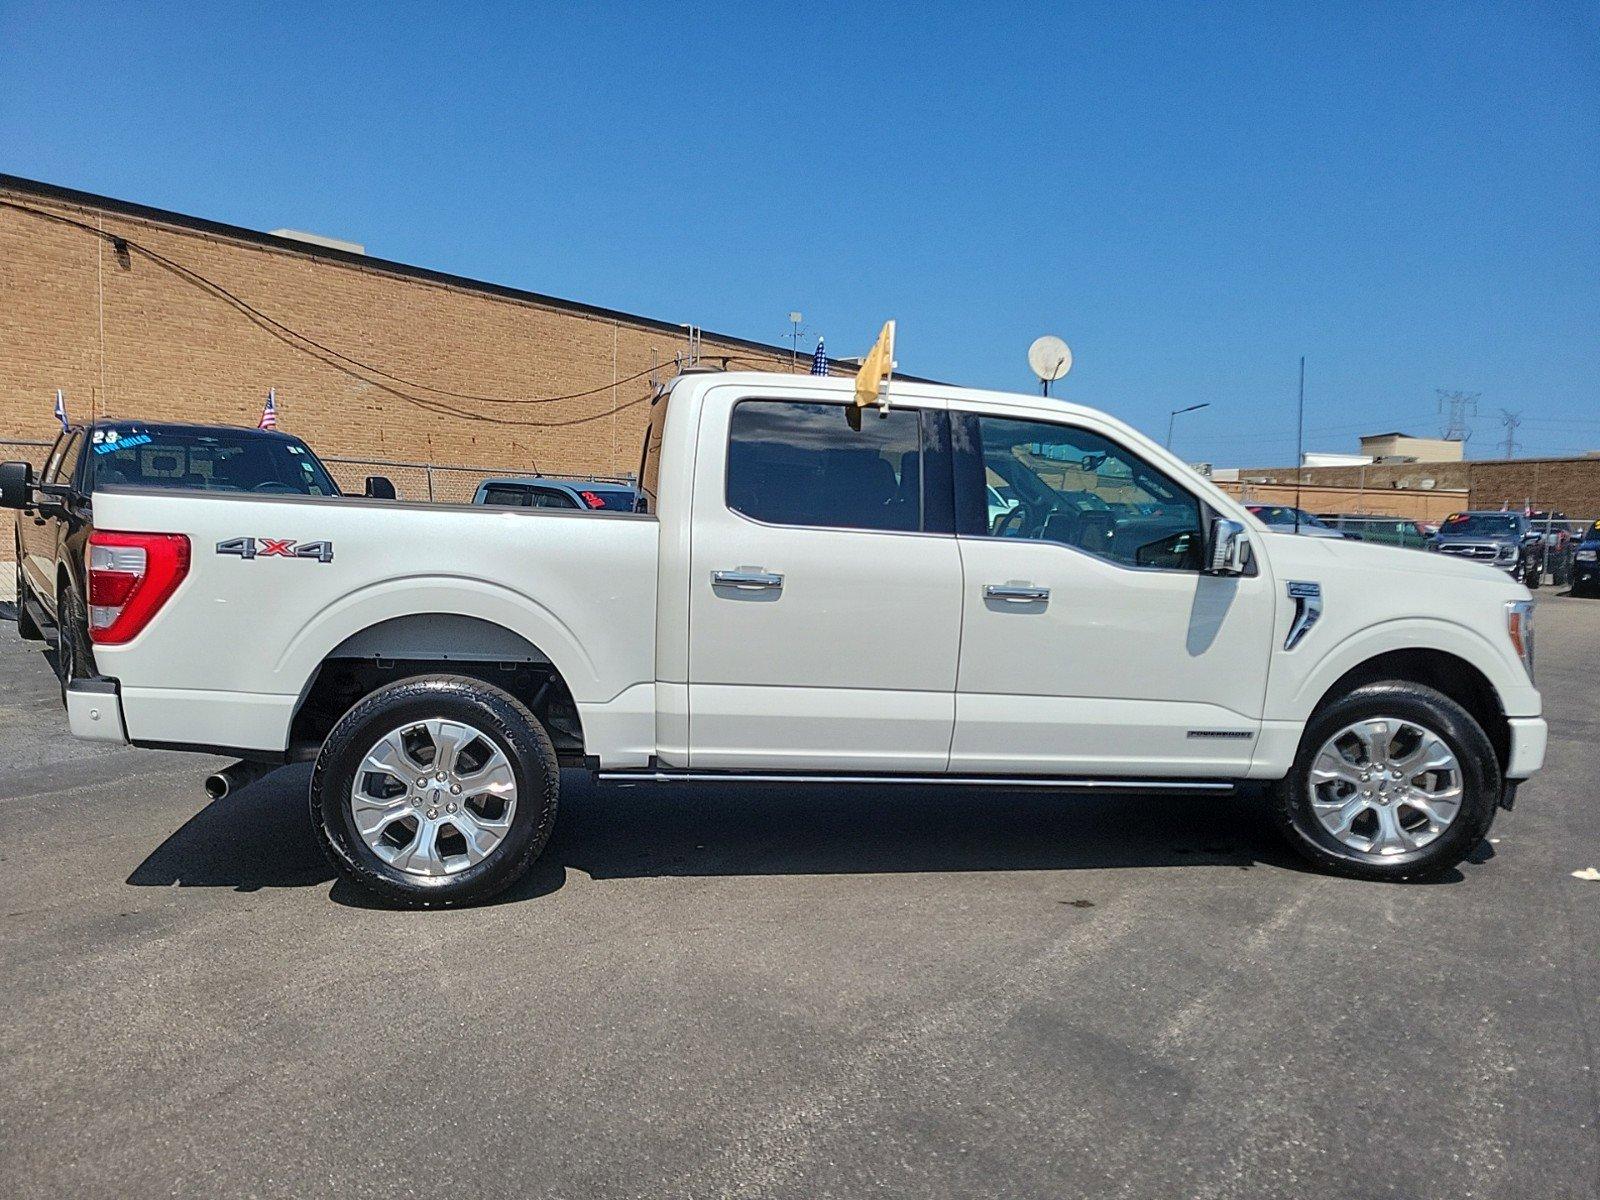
x,y
1402,447
1328,458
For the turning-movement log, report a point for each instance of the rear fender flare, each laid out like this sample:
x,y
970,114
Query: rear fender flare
x,y
496,604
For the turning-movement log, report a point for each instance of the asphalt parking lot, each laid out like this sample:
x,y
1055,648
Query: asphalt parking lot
x,y
735,992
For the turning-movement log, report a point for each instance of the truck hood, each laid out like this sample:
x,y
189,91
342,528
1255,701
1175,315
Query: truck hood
x,y
1291,553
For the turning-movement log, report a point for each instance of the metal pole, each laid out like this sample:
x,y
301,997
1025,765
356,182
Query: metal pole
x,y
1300,445
1171,417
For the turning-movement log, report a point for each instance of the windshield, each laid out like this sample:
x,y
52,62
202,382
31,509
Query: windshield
x,y
1479,525
223,461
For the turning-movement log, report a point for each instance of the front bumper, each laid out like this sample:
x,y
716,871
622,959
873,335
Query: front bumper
x,y
1526,753
94,710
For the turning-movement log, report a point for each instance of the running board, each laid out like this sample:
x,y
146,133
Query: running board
x,y
1048,783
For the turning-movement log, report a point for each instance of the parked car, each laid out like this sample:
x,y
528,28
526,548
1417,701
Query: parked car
x,y
1281,518
804,599
53,531
1386,531
1504,540
1585,568
541,491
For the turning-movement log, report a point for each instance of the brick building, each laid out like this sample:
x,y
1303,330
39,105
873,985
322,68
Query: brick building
x,y
1569,485
139,312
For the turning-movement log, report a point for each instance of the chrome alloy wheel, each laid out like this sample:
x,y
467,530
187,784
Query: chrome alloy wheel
x,y
434,797
1385,786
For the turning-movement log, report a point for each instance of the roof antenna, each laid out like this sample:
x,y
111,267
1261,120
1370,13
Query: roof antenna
x,y
1300,445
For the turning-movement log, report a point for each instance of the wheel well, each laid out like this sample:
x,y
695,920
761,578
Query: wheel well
x,y
436,644
1443,672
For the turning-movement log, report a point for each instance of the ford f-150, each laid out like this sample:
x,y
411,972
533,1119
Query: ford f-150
x,y
813,598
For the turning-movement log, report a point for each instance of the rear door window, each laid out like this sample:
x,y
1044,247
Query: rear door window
x,y
546,497
506,496
798,463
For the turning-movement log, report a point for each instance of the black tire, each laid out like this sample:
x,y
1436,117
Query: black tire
x,y
1480,771
74,652
27,629
1532,576
501,718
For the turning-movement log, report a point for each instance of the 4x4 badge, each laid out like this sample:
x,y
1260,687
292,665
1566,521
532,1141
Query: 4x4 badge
x,y
248,548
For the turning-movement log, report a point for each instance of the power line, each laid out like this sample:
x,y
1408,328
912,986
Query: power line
x,y
294,337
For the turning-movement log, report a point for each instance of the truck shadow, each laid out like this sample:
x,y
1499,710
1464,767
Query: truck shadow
x,y
261,837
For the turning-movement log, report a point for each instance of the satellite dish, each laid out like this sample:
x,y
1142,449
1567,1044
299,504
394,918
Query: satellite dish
x,y
1050,359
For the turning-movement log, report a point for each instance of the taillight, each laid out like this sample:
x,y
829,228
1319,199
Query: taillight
x,y
131,575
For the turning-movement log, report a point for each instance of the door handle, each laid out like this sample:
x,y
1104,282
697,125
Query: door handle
x,y
748,577
1020,593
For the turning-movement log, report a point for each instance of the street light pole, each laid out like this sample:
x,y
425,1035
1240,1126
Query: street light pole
x,y
1174,414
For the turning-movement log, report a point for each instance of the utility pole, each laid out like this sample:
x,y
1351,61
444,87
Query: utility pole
x,y
1510,420
1457,409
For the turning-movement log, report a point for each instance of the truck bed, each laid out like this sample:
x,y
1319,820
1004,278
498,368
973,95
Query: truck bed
x,y
321,578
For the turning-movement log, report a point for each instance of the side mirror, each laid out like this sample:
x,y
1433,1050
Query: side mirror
x,y
1227,548
379,487
16,484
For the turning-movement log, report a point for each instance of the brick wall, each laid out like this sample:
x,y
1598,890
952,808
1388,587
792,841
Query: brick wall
x,y
1569,485
127,336
1431,506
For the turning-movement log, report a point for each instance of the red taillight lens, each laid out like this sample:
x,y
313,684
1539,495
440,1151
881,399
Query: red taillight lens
x,y
131,575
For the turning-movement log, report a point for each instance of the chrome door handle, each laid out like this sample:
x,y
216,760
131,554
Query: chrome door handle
x,y
1019,592
748,577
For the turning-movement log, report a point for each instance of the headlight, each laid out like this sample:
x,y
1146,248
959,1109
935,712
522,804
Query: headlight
x,y
1519,625
1506,552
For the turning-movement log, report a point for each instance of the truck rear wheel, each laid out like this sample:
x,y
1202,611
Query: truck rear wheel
x,y
435,791
1394,781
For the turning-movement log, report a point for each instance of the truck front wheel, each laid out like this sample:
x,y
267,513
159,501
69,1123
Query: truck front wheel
x,y
434,791
1394,781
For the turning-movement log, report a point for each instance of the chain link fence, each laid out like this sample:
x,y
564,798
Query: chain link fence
x,y
430,481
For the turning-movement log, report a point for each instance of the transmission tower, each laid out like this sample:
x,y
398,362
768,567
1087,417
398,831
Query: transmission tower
x,y
1457,410
1510,420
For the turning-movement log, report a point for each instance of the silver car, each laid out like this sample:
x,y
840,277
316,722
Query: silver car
x,y
1280,518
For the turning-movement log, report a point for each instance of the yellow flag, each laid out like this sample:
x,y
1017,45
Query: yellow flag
x,y
876,367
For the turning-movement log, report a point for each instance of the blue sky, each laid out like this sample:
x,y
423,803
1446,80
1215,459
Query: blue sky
x,y
1192,195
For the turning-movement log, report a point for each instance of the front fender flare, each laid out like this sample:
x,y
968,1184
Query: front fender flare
x,y
1297,691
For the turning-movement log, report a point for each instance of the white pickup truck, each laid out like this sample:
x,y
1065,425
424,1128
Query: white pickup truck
x,y
812,594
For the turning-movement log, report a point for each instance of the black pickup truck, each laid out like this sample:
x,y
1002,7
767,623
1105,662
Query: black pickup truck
x,y
53,535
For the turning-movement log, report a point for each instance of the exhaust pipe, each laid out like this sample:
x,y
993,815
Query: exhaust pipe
x,y
231,779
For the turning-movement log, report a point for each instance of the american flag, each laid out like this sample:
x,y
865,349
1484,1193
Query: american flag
x,y
819,360
269,414
61,410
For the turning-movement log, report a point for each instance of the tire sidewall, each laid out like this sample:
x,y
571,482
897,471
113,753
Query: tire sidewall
x,y
501,718
1433,711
